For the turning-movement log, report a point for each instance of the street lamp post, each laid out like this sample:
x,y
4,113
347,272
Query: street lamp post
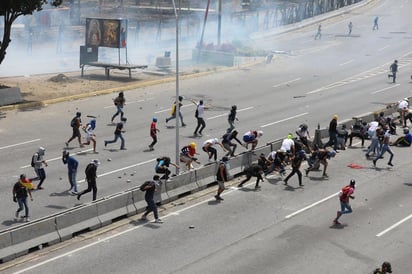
x,y
177,159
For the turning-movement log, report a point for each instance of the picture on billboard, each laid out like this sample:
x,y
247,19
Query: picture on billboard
x,y
110,33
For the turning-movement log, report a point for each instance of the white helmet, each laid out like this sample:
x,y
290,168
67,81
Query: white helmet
x,y
260,133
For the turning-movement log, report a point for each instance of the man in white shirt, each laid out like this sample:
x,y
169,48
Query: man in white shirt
x,y
201,124
288,144
208,147
403,109
372,132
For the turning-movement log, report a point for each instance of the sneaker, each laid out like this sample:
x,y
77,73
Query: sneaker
x,y
67,144
167,120
123,148
389,76
194,133
105,144
17,214
158,221
307,172
257,187
40,187
374,163
143,218
218,198
78,196
367,156
336,222
210,161
27,219
301,184
390,164
325,175
240,186
183,125
285,182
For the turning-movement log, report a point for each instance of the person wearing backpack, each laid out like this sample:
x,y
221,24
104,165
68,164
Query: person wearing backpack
x,y
173,112
150,187
344,195
37,163
91,176
21,191
201,124
162,167
119,102
76,123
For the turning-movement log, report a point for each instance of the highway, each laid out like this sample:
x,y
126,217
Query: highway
x,y
276,230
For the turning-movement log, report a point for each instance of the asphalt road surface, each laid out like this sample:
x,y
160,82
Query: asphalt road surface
x,y
276,230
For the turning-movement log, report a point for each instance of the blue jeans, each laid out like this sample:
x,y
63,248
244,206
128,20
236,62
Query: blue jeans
x,y
385,148
151,206
231,126
174,117
23,202
117,136
373,146
119,111
72,180
345,208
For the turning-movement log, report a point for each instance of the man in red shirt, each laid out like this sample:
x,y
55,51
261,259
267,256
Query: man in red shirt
x,y
344,196
153,133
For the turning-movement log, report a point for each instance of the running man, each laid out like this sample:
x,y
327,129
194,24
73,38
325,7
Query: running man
x,y
153,133
344,196
91,137
119,102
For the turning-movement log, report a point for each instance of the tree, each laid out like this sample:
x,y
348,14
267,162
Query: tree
x,y
11,10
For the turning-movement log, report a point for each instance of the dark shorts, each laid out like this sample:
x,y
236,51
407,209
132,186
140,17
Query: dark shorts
x,y
76,132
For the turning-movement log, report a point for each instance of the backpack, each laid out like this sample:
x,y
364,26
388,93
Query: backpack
x,y
34,161
343,194
197,112
142,186
73,121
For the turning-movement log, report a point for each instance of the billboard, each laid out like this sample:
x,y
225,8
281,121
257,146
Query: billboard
x,y
111,33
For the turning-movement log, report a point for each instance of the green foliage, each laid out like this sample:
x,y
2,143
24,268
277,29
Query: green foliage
x,y
10,10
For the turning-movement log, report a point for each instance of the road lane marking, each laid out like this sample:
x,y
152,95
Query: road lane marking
x,y
59,158
385,47
121,169
347,62
286,119
131,102
168,109
312,205
225,114
380,90
105,239
285,83
18,144
394,226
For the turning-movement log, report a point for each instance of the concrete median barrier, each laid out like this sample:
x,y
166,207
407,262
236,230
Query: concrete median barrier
x,y
114,207
184,183
5,244
138,200
77,220
28,236
206,175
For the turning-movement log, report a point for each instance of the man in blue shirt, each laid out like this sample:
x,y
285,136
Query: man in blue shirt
x,y
72,165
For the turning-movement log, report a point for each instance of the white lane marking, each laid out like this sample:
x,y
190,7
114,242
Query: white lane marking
x,y
101,240
59,158
394,226
22,143
380,90
225,114
310,206
347,62
385,47
169,109
286,119
285,83
131,102
121,169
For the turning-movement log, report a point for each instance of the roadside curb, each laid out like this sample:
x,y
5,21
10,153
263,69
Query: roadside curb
x,y
125,88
